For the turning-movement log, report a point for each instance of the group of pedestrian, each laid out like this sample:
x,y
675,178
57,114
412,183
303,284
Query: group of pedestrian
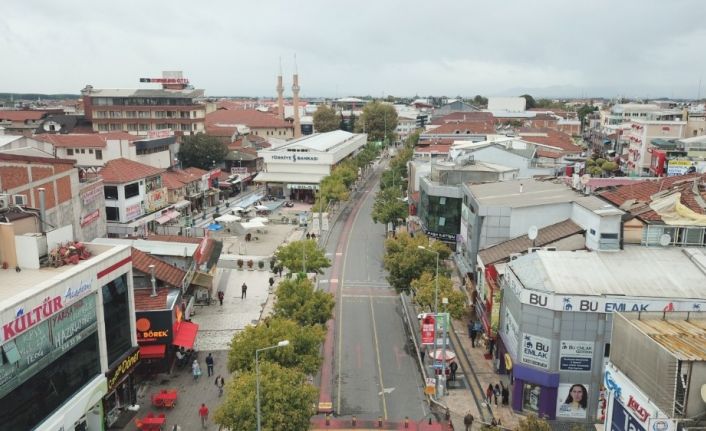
x,y
492,393
310,235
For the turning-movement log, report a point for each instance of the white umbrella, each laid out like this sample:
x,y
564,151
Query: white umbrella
x,y
260,219
439,353
240,209
261,208
227,218
252,225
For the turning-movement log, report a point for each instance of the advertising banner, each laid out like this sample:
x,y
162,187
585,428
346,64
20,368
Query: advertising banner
x,y
156,199
536,350
572,400
154,326
511,329
622,420
428,330
133,211
575,355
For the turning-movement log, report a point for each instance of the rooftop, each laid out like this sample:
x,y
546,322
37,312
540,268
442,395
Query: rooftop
x,y
163,271
321,142
87,140
521,193
145,92
120,171
682,334
25,115
157,248
228,120
636,271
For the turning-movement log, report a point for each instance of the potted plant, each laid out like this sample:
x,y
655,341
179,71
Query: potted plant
x,y
250,263
240,263
260,265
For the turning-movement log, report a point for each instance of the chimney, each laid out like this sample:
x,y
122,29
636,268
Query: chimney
x,y
42,209
295,101
154,282
521,187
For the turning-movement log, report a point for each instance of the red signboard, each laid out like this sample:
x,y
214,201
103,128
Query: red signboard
x,y
428,330
90,218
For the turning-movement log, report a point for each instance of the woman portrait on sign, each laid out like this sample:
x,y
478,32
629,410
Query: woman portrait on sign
x,y
577,398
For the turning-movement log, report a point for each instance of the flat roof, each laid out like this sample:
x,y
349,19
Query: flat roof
x,y
682,334
321,142
663,272
158,248
508,194
145,92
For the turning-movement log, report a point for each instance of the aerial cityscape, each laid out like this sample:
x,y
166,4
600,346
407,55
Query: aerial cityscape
x,y
361,216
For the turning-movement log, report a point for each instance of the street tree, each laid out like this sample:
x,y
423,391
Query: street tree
x,y
287,400
299,301
405,262
302,255
480,100
201,151
531,103
389,207
346,172
302,352
424,289
379,121
326,119
533,423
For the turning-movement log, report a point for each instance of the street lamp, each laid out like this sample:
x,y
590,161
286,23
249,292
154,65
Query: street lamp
x,y
444,301
282,343
436,311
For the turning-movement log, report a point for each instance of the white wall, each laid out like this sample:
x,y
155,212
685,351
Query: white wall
x,y
160,160
492,154
539,216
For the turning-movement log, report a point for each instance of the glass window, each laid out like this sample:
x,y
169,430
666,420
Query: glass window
x,y
530,397
694,235
116,311
10,353
111,213
99,154
69,151
111,192
132,190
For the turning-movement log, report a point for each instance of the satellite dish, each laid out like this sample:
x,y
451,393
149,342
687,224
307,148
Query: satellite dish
x,y
665,239
585,179
703,393
532,232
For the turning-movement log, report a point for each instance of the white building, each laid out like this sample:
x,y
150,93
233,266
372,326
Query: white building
x,y
68,343
294,170
640,136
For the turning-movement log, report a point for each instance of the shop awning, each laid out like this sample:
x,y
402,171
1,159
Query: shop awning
x,y
169,215
152,351
181,204
289,177
186,335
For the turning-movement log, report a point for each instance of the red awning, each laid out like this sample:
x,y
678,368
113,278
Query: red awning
x,y
185,335
152,351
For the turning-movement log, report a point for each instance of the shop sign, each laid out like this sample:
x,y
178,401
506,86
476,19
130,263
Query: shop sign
x,y
639,410
660,424
71,321
125,367
449,237
598,304
678,167
612,385
511,329
622,420
575,355
156,199
90,218
303,186
239,170
428,330
154,326
133,211
88,196
295,158
536,350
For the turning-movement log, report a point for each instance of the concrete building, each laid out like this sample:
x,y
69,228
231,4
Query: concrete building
x,y
230,124
139,111
69,344
508,151
69,201
21,122
556,313
294,170
656,373
640,136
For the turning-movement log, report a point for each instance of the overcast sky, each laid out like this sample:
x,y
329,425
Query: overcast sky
x,y
646,48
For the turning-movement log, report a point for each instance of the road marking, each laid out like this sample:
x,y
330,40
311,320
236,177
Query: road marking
x,y
333,280
323,281
377,354
339,253
386,391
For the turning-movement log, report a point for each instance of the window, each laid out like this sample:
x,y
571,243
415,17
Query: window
x,y
442,221
606,350
102,127
442,201
132,190
593,232
111,214
116,312
530,397
609,236
69,151
10,355
99,154
90,151
111,192
82,151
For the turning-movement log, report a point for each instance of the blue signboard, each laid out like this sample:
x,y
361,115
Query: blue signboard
x,y
575,364
621,420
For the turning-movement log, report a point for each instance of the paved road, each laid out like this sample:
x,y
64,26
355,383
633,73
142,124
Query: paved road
x,y
375,373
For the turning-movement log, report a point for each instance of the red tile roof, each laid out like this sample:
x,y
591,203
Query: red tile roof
x,y
145,302
174,238
641,192
176,179
552,138
224,121
468,127
32,159
163,271
89,140
437,148
120,171
196,171
548,154
15,116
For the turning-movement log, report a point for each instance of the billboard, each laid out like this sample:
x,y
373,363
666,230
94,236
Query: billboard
x,y
536,350
575,355
572,400
428,332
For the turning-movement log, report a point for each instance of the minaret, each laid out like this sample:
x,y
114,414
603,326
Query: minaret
x,y
295,101
280,92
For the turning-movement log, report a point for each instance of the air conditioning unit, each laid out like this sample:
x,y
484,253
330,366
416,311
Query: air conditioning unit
x,y
514,256
4,201
19,200
533,249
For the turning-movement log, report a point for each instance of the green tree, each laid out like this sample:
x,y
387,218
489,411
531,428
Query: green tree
x,y
595,171
531,103
389,207
533,423
201,151
302,352
346,172
295,255
480,100
379,121
425,290
405,262
609,166
584,110
326,119
287,400
299,301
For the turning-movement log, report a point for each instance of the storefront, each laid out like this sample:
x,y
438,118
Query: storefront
x,y
121,390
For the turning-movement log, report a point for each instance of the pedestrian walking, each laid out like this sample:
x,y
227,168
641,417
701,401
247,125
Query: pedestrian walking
x,y
203,413
272,282
243,291
505,392
468,421
220,383
196,369
489,393
494,422
454,367
496,393
472,333
221,295
421,353
479,329
209,364
308,235
280,271
313,235
176,427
